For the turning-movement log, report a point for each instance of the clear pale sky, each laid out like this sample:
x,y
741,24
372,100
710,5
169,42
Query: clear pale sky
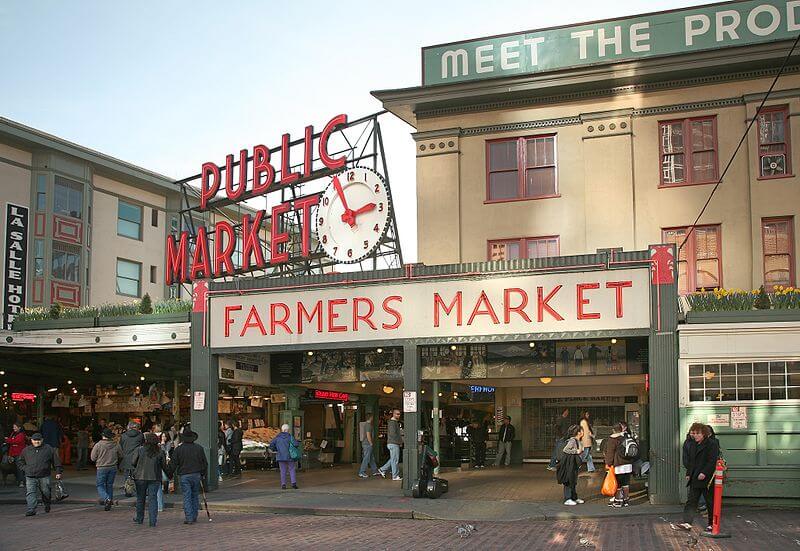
x,y
169,85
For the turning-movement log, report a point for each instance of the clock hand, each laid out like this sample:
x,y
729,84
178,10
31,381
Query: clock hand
x,y
340,192
366,208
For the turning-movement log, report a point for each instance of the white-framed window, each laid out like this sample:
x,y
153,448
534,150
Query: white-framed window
x,y
129,278
744,381
129,220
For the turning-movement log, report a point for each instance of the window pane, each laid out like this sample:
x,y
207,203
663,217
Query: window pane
x,y
542,248
706,243
793,393
540,182
672,169
771,127
541,151
702,134
776,237
128,270
65,263
704,166
503,155
68,197
672,137
503,185
127,287
504,250
696,370
130,212
128,229
707,274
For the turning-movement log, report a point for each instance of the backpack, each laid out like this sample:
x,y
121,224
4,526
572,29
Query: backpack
x,y
294,453
629,446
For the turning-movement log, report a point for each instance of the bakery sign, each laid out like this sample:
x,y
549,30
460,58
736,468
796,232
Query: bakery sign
x,y
506,304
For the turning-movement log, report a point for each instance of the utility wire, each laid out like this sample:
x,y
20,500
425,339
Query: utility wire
x,y
739,146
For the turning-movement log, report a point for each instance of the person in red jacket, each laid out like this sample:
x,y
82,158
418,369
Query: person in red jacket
x,y
16,443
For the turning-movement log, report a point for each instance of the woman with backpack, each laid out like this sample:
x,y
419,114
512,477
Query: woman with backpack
x,y
288,452
621,451
148,464
568,465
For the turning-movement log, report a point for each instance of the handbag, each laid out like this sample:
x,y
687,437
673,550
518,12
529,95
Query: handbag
x,y
294,453
60,491
610,485
129,487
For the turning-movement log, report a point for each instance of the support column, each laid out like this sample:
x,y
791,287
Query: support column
x,y
292,410
411,421
665,437
176,402
435,423
41,396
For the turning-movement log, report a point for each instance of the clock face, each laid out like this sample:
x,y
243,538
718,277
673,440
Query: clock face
x,y
353,214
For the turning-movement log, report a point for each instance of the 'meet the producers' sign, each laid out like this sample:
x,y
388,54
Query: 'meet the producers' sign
x,y
657,34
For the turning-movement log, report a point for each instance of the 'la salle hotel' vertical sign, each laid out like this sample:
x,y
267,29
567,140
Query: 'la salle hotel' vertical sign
x,y
650,35
16,259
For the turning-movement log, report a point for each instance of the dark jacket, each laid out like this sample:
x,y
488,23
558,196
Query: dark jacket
x,y
477,434
188,458
568,465
561,426
701,458
394,434
236,440
506,433
51,433
614,453
37,462
148,467
280,444
129,442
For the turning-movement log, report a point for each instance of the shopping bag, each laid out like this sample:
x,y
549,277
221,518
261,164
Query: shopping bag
x,y
60,491
609,484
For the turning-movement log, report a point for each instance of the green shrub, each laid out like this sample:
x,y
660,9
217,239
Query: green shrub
x,y
146,305
55,311
171,306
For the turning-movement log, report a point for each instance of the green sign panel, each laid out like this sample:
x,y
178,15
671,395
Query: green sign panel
x,y
657,34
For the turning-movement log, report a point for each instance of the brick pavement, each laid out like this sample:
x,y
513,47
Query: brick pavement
x,y
88,527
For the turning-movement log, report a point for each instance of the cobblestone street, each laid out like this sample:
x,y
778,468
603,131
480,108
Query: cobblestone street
x,y
88,527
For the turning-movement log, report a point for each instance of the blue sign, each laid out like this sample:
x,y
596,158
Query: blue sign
x,y
483,389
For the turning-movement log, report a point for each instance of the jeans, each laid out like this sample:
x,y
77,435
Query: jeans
x,y
570,492
32,488
235,463
190,487
586,457
83,454
288,466
394,460
105,482
160,494
147,489
503,448
480,453
557,447
691,503
368,460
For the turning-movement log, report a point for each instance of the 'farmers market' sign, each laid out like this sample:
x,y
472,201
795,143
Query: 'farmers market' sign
x,y
656,34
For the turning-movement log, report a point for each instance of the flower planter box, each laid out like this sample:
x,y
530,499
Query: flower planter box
x,y
143,319
742,316
68,323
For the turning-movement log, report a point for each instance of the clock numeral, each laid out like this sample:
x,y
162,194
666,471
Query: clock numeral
x,y
320,221
335,250
366,244
377,188
380,207
324,239
325,201
349,253
376,228
351,176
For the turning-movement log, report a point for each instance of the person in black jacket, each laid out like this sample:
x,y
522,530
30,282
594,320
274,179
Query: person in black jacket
x,y
189,461
700,456
36,462
149,463
477,435
569,461
505,439
236,449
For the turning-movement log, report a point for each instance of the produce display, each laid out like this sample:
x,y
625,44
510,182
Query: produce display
x,y
264,435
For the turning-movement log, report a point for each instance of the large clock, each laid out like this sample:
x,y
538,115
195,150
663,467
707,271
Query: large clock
x,y
353,214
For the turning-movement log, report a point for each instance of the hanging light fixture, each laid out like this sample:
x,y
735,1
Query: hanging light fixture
x,y
422,391
545,380
532,344
613,341
363,385
388,389
141,378
86,368
69,382
380,350
310,352
147,364
453,347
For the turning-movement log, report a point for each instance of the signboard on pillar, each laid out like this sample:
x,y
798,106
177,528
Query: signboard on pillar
x,y
16,261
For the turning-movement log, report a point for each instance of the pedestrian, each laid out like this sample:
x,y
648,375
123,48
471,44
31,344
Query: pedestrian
x,y
702,455
615,458
221,444
97,430
569,461
505,440
52,432
236,449
560,428
394,439
190,463
82,443
367,459
280,445
16,444
586,441
149,464
37,461
166,445
477,438
130,442
107,456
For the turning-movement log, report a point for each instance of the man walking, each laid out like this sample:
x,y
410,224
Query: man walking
x,y
36,462
561,426
477,435
365,435
107,455
51,432
237,435
83,448
505,440
130,442
189,461
394,439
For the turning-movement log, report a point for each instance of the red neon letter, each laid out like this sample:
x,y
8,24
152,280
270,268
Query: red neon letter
x,y
228,319
232,194
262,165
287,176
333,164
275,321
544,306
278,237
365,318
305,205
619,286
201,263
585,301
507,308
176,259
253,320
487,309
222,255
302,314
332,328
251,244
456,302
309,147
398,317
208,191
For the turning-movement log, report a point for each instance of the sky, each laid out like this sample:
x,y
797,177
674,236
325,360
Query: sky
x,y
170,85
